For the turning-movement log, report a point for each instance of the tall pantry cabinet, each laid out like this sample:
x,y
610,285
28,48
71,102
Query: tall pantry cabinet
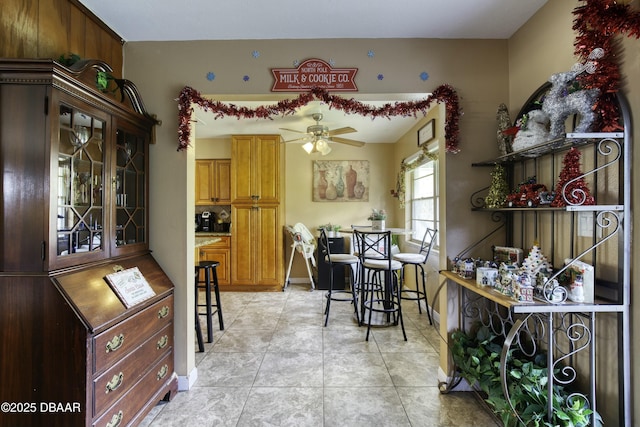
x,y
257,215
76,350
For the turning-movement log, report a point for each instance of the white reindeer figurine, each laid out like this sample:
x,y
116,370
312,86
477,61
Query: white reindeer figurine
x,y
558,105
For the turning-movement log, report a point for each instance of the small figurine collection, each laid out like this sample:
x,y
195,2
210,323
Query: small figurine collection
x,y
524,279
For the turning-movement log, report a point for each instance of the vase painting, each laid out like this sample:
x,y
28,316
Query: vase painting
x,y
322,184
351,177
341,181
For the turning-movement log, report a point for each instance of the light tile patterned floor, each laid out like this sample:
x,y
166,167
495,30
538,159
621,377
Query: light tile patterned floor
x,y
276,365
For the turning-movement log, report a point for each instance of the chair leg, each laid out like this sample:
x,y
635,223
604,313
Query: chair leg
x,y
328,296
198,327
207,279
417,286
370,314
327,308
354,299
399,296
426,298
216,291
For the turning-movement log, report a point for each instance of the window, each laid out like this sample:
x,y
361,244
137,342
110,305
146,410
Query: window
x,y
423,199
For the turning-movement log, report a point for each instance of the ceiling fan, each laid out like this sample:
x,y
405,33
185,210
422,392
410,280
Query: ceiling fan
x,y
319,135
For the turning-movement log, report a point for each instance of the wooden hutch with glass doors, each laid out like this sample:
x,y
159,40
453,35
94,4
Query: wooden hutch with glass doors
x,y
80,345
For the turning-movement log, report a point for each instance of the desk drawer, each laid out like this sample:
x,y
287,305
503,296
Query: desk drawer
x,y
128,406
115,382
115,343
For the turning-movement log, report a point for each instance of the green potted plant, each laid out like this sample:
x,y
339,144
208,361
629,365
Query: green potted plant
x,y
477,358
377,218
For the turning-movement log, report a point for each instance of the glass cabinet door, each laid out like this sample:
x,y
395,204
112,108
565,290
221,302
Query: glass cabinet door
x,y
130,188
81,175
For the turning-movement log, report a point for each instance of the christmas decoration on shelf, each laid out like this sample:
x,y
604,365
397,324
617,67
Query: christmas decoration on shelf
x,y
571,187
597,23
532,130
536,263
530,194
504,138
497,197
444,93
565,97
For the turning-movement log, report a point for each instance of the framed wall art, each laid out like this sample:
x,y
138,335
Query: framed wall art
x,y
340,181
427,132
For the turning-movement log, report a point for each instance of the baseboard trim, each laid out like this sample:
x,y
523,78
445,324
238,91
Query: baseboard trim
x,y
185,383
299,280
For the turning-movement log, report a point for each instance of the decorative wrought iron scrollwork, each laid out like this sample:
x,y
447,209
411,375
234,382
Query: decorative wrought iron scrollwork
x,y
606,147
607,220
477,198
578,337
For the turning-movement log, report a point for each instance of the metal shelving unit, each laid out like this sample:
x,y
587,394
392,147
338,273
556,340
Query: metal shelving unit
x,y
567,330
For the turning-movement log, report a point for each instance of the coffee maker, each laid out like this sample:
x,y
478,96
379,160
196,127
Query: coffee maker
x,y
204,221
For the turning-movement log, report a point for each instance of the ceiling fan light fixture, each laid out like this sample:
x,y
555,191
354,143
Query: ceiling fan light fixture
x,y
308,147
318,145
323,147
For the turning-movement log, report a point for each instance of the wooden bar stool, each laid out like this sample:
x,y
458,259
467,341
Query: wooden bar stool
x,y
209,282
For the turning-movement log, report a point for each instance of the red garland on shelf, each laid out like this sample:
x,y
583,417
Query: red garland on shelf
x,y
445,93
597,23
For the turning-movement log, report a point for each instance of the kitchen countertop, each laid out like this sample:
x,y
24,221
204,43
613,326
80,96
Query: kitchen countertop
x,y
212,233
206,240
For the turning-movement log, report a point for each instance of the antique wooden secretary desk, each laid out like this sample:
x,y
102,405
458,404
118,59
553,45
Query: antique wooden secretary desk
x,y
80,345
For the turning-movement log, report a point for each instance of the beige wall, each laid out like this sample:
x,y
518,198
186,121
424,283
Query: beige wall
x,y
162,69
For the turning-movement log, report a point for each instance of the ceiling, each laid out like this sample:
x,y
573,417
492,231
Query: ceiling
x,y
170,20
145,20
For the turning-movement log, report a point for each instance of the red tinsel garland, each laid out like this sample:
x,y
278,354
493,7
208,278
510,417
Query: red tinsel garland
x,y
445,93
597,23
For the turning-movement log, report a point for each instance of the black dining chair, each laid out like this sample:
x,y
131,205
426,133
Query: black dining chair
x,y
380,292
343,261
418,260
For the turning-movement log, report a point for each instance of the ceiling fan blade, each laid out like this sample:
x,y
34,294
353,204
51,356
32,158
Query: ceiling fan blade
x,y
348,141
341,131
297,139
292,130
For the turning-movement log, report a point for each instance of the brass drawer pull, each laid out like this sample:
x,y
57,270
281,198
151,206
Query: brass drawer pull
x,y
162,342
115,343
162,372
115,420
163,312
115,382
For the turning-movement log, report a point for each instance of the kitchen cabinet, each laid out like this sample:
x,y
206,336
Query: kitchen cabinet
x,y
220,252
213,182
255,161
74,209
257,250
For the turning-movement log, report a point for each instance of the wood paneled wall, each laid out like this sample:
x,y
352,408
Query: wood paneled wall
x,y
50,28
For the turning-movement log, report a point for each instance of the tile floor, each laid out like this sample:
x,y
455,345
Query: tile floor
x,y
276,365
